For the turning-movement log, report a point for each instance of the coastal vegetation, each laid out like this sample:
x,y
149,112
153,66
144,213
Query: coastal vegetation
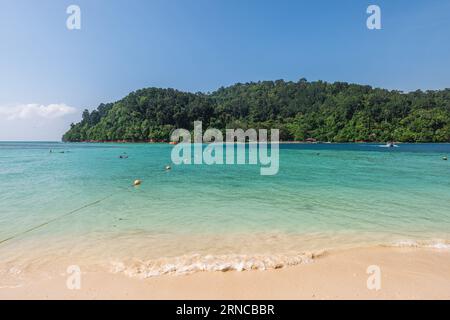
x,y
302,110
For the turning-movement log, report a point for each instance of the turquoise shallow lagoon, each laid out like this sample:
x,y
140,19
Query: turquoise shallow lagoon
x,y
200,217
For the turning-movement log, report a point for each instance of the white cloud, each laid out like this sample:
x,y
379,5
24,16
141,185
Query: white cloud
x,y
36,111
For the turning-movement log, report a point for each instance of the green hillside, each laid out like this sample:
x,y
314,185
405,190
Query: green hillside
x,y
337,112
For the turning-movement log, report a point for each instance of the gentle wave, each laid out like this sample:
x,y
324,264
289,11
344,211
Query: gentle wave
x,y
198,263
434,244
189,264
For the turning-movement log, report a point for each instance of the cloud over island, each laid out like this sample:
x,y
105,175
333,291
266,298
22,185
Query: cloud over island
x,y
35,121
34,110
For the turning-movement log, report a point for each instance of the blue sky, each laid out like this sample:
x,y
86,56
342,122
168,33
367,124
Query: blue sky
x,y
49,74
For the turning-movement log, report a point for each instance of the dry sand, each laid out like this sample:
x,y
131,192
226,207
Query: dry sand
x,y
406,273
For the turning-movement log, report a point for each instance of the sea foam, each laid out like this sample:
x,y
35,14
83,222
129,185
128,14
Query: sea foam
x,y
197,263
433,244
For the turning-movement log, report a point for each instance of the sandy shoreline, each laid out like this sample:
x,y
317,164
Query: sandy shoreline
x,y
406,273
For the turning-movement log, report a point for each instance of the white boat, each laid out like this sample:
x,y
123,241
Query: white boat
x,y
390,144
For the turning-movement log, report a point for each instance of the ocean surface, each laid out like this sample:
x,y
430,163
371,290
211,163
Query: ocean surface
x,y
76,205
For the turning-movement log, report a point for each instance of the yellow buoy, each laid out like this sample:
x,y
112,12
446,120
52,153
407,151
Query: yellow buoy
x,y
137,182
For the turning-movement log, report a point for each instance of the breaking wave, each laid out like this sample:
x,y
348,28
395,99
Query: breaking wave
x,y
188,264
434,244
198,263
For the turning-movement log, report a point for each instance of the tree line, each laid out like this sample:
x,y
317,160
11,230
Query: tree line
x,y
334,112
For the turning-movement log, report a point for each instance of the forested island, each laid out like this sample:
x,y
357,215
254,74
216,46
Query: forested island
x,y
334,112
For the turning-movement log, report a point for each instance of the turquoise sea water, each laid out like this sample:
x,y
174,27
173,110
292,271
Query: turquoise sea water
x,y
200,217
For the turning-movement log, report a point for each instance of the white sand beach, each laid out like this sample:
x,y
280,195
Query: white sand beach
x,y
406,273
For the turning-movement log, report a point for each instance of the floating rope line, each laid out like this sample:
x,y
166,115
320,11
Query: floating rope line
x,y
55,219
62,216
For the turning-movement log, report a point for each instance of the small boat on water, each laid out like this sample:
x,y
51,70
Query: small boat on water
x,y
389,144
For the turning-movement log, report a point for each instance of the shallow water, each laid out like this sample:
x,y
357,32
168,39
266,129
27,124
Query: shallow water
x,y
220,217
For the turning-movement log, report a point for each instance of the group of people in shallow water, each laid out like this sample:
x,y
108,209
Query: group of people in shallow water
x,y
124,155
